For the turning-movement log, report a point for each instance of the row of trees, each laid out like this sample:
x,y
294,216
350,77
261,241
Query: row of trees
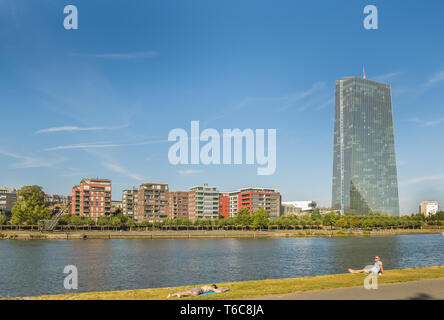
x,y
261,219
30,208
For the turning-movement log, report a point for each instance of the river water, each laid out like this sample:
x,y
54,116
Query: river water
x,y
36,267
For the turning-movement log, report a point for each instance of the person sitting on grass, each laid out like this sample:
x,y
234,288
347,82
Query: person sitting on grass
x,y
374,269
196,291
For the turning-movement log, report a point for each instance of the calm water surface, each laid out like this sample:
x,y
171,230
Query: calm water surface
x,y
36,267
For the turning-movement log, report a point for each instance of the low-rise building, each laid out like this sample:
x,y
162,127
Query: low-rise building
x,y
290,209
428,208
116,207
56,201
306,206
325,210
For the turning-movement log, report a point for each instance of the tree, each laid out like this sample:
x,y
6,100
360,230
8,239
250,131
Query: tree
x,y
260,218
329,219
30,206
243,217
341,223
3,219
103,221
316,214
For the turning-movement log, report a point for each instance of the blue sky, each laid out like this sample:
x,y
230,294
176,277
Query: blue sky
x,y
134,70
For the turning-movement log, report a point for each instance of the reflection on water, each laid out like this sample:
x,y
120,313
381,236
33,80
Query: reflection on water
x,y
36,267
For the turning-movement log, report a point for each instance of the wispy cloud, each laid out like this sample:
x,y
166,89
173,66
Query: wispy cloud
x,y
277,103
434,79
119,56
75,128
427,123
100,145
386,76
291,100
329,102
82,146
421,179
188,171
29,161
119,169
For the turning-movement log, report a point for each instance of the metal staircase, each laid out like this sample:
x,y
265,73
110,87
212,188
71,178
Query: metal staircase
x,y
50,224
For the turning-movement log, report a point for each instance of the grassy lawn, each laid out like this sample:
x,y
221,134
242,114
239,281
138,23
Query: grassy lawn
x,y
251,289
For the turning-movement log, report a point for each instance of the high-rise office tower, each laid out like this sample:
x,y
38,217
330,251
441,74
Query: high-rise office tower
x,y
364,165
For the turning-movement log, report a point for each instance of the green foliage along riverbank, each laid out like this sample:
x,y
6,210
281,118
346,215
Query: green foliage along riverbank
x,y
30,208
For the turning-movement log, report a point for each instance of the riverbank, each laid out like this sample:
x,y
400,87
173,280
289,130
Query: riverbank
x,y
171,234
262,288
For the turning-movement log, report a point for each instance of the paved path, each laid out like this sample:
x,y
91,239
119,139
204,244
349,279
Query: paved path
x,y
414,290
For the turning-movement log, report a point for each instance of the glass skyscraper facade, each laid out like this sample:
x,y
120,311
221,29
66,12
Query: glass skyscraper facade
x,y
364,164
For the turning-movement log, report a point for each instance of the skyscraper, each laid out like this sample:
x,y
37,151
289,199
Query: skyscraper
x,y
364,165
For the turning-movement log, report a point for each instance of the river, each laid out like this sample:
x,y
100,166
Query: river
x,y
36,267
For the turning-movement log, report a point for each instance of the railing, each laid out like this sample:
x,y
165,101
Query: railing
x,y
86,227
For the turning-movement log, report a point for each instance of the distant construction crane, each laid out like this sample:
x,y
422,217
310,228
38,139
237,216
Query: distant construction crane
x,y
50,224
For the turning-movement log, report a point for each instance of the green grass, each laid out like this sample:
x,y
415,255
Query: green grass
x,y
256,289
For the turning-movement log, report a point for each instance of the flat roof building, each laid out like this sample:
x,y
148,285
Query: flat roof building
x,y
203,202
305,205
8,197
92,198
224,205
364,164
428,208
152,202
178,205
130,202
254,198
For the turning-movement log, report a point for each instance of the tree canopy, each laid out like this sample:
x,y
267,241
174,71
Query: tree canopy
x,y
30,206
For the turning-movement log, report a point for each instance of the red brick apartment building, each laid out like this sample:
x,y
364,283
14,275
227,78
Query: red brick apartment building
x,y
92,198
152,202
254,198
178,205
224,205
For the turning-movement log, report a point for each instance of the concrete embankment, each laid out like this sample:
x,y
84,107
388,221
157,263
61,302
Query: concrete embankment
x,y
84,235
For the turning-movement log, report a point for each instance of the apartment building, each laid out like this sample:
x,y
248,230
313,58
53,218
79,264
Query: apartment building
x,y
92,198
8,197
56,201
130,202
178,205
116,207
224,205
254,198
203,202
152,202
232,205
